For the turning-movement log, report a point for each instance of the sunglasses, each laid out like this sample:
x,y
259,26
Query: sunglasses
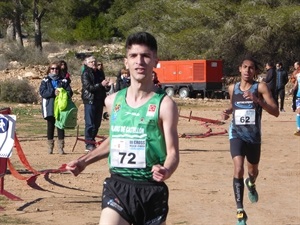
x,y
54,68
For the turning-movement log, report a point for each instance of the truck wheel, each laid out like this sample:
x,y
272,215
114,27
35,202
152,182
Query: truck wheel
x,y
170,91
209,94
184,92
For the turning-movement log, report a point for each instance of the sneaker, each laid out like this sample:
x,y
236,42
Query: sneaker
x,y
241,217
297,133
89,148
252,194
282,110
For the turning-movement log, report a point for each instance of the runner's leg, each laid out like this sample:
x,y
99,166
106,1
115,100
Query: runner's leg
x,y
111,217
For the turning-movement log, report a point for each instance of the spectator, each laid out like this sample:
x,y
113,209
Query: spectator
x,y
296,90
49,90
281,81
94,87
155,79
123,80
64,70
100,66
293,80
110,87
83,65
271,79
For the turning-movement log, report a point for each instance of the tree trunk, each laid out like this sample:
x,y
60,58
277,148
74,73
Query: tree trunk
x,y
37,34
37,17
10,31
18,27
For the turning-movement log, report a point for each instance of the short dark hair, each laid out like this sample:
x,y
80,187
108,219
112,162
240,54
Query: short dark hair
x,y
143,38
252,59
270,63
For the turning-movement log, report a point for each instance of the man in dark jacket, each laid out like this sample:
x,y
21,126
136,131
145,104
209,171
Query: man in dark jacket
x,y
271,79
94,87
281,81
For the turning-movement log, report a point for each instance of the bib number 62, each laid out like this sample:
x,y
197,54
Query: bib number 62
x,y
244,119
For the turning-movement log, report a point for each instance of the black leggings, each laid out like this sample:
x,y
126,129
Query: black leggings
x,y
51,127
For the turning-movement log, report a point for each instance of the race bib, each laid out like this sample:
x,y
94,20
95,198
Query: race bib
x,y
128,153
244,116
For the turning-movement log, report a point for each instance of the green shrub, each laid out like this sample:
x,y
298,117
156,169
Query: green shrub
x,y
19,91
86,30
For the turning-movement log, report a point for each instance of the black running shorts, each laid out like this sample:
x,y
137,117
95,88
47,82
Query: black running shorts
x,y
137,202
239,147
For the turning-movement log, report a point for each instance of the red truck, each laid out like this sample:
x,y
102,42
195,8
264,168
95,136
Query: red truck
x,y
188,78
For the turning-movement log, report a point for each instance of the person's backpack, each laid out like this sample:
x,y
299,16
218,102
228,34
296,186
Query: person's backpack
x,y
67,118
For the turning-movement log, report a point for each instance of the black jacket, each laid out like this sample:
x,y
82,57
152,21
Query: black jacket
x,y
271,79
282,78
92,90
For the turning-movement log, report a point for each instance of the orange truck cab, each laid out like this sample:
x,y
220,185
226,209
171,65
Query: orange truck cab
x,y
188,78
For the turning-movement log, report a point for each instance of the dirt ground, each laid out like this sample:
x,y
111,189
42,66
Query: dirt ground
x,y
200,190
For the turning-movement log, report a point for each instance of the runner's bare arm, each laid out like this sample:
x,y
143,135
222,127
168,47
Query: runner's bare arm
x,y
226,113
169,121
78,165
266,100
269,103
101,152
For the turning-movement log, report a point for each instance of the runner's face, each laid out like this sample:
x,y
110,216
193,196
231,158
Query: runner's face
x,y
247,70
140,61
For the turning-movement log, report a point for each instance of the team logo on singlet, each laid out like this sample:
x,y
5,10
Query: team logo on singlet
x,y
132,114
151,110
244,104
117,107
115,110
